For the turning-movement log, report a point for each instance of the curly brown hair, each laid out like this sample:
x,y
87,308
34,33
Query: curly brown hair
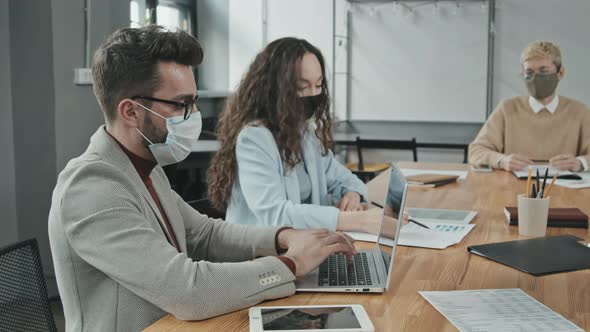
x,y
267,95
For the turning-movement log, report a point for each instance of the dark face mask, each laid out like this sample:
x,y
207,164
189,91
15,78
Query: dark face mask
x,y
311,105
541,86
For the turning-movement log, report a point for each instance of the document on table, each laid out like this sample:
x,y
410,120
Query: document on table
x,y
496,310
575,184
409,172
441,215
439,236
524,173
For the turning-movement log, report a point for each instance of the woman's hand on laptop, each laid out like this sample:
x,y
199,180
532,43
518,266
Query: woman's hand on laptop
x,y
309,248
351,201
388,222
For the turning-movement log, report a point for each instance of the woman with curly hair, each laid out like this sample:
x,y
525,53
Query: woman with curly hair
x,y
275,166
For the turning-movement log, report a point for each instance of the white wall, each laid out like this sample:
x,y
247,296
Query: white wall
x,y
309,19
213,32
245,37
312,20
563,22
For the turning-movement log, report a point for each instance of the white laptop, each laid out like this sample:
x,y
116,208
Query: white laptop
x,y
370,270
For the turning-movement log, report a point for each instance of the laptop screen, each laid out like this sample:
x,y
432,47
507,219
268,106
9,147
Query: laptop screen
x,y
393,212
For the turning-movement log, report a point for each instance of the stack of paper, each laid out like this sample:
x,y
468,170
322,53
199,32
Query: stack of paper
x,y
524,173
497,310
576,184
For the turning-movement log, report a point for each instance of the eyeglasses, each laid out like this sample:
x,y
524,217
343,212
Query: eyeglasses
x,y
528,75
188,104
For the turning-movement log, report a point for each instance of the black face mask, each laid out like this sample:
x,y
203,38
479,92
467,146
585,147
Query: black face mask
x,y
311,105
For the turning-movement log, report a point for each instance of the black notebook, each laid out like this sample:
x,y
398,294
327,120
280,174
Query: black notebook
x,y
539,256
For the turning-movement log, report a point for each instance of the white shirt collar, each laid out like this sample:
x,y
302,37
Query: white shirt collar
x,y
537,106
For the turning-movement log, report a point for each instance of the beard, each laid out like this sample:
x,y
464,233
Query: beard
x,y
152,132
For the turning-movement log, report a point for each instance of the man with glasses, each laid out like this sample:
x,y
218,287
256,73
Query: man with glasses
x,y
126,248
543,127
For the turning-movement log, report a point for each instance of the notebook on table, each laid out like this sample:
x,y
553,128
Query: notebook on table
x,y
540,256
558,217
564,175
431,180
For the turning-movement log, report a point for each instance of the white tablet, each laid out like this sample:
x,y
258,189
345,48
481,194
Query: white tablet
x,y
323,318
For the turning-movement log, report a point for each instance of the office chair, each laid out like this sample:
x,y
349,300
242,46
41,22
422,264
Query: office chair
x,y
24,305
203,206
368,171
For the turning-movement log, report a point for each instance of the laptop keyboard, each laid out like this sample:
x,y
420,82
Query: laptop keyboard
x,y
338,271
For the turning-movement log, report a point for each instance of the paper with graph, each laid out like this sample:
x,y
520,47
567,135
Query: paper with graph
x,y
439,236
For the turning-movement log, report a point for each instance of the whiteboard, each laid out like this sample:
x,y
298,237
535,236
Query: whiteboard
x,y
425,65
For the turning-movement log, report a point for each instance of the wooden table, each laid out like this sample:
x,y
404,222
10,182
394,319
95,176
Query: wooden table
x,y
417,269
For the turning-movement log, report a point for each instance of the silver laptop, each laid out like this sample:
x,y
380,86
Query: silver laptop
x,y
370,270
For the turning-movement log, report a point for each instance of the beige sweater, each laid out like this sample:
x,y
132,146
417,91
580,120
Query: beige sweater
x,y
515,128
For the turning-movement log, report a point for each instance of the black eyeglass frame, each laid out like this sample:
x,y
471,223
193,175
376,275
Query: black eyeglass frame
x,y
187,105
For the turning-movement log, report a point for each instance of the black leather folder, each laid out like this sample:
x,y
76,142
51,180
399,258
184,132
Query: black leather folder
x,y
539,256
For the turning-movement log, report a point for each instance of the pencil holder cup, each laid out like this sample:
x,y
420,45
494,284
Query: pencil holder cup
x,y
532,215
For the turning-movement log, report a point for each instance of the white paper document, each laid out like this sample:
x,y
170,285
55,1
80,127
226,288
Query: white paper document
x,y
497,310
441,215
524,173
439,236
575,184
409,172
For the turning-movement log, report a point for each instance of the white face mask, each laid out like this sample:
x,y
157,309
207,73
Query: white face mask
x,y
182,134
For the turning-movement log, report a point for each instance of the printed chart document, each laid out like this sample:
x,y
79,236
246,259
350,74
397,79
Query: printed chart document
x,y
439,236
409,172
441,215
497,310
442,232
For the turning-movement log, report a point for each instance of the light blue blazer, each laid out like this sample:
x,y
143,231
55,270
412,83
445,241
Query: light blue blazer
x,y
266,193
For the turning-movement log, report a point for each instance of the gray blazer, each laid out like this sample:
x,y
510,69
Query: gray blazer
x,y
266,193
117,272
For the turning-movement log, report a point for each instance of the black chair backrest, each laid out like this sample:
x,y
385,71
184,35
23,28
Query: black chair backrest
x,y
384,144
203,206
24,305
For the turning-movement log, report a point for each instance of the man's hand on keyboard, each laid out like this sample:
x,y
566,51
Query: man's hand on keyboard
x,y
309,248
